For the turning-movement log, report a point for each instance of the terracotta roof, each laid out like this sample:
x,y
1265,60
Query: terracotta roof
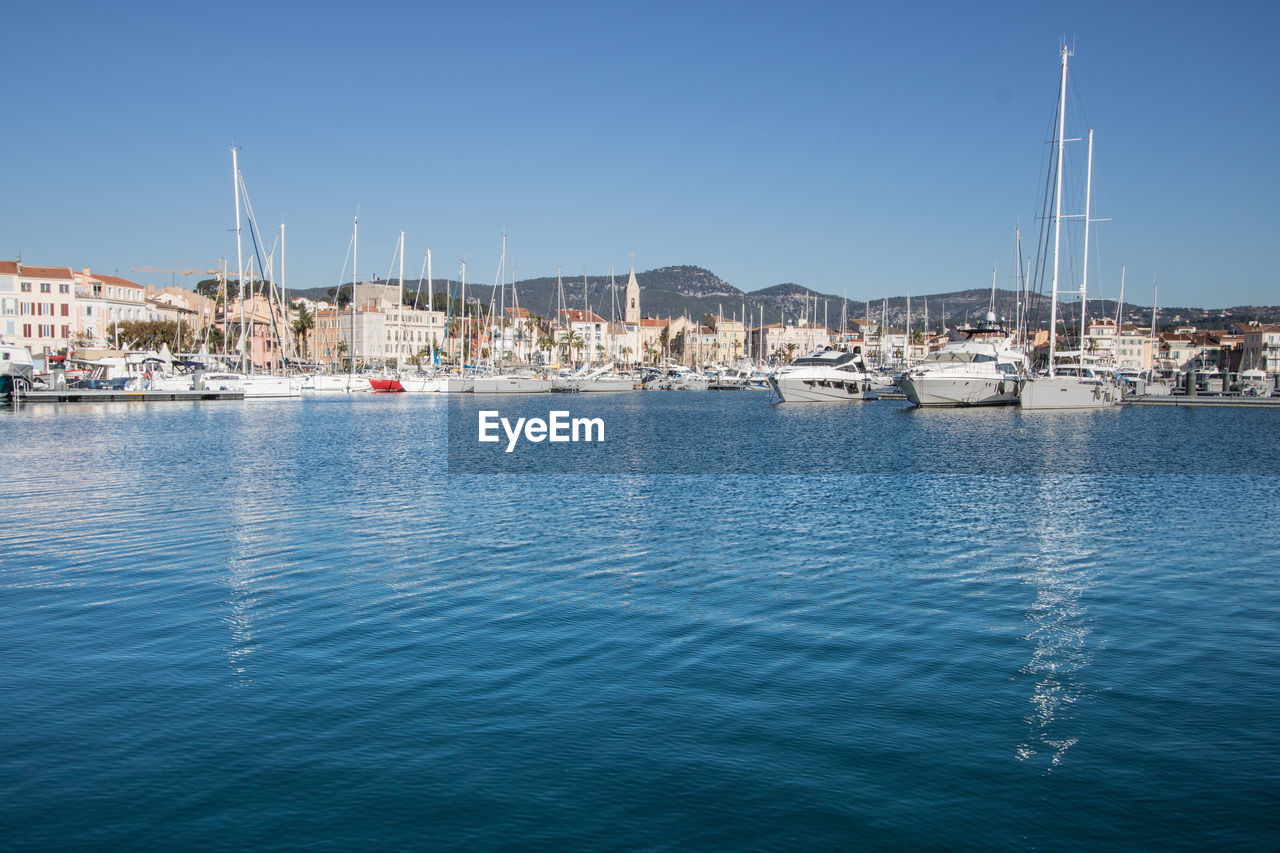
x,y
8,267
518,312
45,272
114,279
653,322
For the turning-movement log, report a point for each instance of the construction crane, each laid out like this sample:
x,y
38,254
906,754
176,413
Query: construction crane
x,y
173,274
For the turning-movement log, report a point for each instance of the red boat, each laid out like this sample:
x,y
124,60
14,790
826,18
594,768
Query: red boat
x,y
386,384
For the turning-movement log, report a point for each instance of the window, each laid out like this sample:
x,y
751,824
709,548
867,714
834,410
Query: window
x,y
66,310
26,330
26,287
64,288
66,332
45,287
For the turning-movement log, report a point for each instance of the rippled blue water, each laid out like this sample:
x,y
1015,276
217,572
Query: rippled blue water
x,y
279,625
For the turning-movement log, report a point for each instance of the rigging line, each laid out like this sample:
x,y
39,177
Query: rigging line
x,y
257,248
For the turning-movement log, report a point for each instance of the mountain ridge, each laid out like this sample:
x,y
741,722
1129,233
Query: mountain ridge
x,y
688,290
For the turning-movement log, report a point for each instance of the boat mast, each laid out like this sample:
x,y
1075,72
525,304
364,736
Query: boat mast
x,y
235,181
1057,209
906,349
1084,278
351,304
400,300
284,304
1115,343
435,354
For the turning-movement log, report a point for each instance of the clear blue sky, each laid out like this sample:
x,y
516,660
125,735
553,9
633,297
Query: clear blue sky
x,y
850,147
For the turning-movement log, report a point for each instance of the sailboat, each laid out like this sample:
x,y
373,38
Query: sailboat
x,y
1078,385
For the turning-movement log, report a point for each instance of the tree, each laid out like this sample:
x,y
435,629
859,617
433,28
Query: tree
x,y
211,288
151,335
301,325
790,349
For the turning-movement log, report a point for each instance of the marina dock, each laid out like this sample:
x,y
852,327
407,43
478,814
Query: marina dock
x,y
76,395
1202,400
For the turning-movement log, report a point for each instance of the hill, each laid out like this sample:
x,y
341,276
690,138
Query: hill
x,y
694,291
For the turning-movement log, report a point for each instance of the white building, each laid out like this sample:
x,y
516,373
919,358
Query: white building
x,y
105,300
1261,349
37,306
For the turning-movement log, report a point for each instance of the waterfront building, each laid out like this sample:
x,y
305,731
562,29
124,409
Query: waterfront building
x,y
324,342
581,336
653,338
1134,348
258,328
730,342
780,343
104,300
37,306
195,310
1261,348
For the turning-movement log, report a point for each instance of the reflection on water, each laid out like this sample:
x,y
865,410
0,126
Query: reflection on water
x,y
1062,570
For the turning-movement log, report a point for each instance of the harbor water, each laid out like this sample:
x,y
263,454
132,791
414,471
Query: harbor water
x,y
342,624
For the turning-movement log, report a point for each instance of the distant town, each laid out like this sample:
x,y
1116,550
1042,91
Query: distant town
x,y
57,310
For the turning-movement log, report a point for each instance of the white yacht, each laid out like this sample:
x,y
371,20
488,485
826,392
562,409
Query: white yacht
x,y
984,369
824,376
1071,386
1079,385
253,385
601,378
341,383
16,369
519,382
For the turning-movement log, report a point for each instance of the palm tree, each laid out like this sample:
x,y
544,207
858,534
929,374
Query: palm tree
x,y
790,350
303,323
625,352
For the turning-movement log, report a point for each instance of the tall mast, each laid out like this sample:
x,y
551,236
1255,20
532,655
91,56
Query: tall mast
x,y
1084,278
906,350
235,181
1057,209
351,304
435,355
1115,344
1155,297
284,298
400,299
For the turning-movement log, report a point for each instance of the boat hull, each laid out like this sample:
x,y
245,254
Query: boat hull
x,y
422,384
510,385
603,385
955,391
1067,392
457,385
797,390
335,383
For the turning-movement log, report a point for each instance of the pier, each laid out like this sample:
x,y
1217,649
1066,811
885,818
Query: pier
x,y
1202,400
76,395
